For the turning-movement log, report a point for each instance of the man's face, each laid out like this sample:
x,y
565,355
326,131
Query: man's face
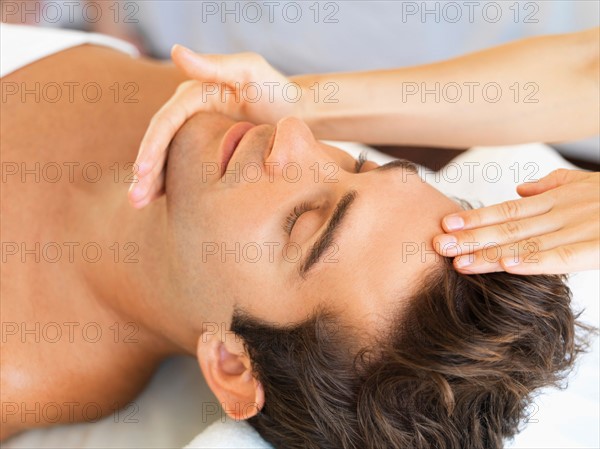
x,y
359,245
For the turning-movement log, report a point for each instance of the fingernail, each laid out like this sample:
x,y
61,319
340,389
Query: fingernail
x,y
454,222
136,193
510,261
462,262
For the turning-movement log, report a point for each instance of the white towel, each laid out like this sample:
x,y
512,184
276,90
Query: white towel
x,y
21,45
229,434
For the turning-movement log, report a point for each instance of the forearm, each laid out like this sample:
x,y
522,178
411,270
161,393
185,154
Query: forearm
x,y
538,89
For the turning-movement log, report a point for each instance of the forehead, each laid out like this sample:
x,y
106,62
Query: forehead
x,y
384,250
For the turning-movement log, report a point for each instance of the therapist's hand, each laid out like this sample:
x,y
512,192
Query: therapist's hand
x,y
553,229
243,86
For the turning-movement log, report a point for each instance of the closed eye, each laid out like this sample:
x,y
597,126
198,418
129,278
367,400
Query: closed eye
x,y
294,215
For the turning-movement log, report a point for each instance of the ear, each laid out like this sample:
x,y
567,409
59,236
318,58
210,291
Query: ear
x,y
228,373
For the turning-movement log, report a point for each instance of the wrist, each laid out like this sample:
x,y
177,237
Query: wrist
x,y
321,105
304,108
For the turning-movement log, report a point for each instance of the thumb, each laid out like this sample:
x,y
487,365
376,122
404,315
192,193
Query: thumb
x,y
554,179
206,67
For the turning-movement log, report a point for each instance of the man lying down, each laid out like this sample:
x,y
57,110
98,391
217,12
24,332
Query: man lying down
x,y
329,335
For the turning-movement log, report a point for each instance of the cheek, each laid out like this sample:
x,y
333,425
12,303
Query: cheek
x,y
250,213
238,247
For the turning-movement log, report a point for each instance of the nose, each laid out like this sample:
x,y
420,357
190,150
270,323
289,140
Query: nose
x,y
294,143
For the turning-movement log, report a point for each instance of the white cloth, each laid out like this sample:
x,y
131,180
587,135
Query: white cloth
x,y
21,45
229,434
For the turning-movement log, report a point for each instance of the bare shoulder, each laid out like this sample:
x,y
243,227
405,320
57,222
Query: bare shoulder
x,y
79,373
65,358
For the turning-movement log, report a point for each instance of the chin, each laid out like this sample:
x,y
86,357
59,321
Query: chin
x,y
191,153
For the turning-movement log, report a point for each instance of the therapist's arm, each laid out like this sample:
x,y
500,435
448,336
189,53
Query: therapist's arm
x,y
538,89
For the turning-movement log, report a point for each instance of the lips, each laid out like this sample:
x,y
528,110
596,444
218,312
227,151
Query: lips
x,y
230,141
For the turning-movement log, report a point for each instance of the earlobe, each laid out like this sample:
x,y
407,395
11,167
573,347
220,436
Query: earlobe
x,y
228,373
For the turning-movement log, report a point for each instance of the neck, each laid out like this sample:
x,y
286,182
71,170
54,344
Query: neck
x,y
136,280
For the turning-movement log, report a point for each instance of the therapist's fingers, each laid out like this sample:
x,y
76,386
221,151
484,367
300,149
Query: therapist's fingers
x,y
163,126
519,256
555,231
554,179
184,103
498,213
504,233
560,260
237,67
234,73
152,190
519,208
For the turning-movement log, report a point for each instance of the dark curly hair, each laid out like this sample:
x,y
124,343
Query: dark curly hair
x,y
456,369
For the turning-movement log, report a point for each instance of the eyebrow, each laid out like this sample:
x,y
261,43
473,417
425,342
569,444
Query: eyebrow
x,y
404,164
327,237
